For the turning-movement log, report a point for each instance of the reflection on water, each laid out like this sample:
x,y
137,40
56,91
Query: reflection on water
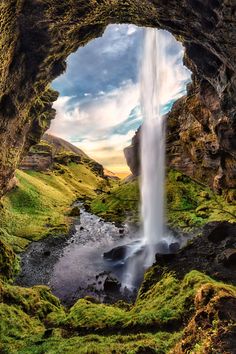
x,y
81,268
81,265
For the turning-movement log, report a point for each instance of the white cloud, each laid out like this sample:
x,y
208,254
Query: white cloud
x,y
98,98
109,152
96,119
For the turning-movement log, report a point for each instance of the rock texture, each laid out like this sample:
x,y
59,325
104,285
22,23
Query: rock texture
x,y
51,151
37,36
210,255
201,142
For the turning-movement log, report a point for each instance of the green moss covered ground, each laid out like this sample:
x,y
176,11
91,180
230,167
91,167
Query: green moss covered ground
x,y
120,203
33,321
190,205
165,316
40,203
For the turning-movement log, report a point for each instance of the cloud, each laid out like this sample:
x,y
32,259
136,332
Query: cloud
x,y
103,64
98,109
109,152
97,119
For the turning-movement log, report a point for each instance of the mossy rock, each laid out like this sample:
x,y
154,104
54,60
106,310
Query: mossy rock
x,y
75,211
9,263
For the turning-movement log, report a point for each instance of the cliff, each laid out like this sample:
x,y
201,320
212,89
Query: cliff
x,y
199,144
51,151
37,37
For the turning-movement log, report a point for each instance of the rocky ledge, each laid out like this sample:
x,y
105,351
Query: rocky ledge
x,y
200,145
51,152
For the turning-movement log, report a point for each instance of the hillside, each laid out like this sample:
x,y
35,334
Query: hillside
x,y
51,177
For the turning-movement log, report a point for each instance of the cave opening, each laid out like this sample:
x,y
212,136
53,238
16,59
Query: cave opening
x,y
98,112
37,204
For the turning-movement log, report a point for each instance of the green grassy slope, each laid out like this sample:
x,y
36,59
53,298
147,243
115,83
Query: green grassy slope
x,y
120,203
169,316
189,204
39,205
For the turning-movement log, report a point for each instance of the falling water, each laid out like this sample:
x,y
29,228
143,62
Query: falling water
x,y
163,80
153,72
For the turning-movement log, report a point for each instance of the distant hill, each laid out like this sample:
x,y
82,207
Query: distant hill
x,y
59,145
51,151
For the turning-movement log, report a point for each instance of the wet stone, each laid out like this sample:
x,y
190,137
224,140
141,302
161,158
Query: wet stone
x,y
111,285
116,253
229,257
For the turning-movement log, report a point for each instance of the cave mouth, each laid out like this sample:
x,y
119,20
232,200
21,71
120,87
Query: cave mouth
x,y
98,111
99,93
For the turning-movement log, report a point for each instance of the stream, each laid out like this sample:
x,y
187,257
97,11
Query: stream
x,y
75,267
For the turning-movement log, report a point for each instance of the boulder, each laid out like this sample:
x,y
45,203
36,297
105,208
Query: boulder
x,y
75,211
111,285
116,254
229,257
174,247
219,231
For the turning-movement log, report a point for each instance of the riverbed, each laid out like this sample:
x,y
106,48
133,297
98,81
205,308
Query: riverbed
x,y
74,267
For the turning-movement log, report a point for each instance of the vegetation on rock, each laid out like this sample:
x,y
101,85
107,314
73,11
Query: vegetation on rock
x,y
190,204
170,314
40,204
155,323
120,203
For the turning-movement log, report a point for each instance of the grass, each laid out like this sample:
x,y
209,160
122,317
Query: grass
x,y
190,205
39,205
120,203
160,343
33,321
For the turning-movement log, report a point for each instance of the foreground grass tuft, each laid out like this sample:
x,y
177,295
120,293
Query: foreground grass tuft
x,y
33,321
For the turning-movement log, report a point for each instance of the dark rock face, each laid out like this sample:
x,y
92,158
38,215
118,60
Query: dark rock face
x,y
111,285
217,232
38,36
213,256
117,253
75,211
200,141
132,154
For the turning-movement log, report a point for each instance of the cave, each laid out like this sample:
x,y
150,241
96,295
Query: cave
x,y
186,301
37,41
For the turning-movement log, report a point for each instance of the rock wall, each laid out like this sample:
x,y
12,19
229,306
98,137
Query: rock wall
x,y
51,151
38,35
201,142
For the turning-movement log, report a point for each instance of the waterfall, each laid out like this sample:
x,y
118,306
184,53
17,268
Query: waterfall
x,y
163,80
153,76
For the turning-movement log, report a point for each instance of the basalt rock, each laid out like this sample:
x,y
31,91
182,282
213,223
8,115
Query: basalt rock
x,y
37,36
53,152
216,259
201,142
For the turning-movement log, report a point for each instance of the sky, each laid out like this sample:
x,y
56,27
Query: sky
x,y
98,109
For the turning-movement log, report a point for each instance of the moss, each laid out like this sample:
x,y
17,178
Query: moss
x,y
15,327
9,264
129,344
33,321
190,204
39,204
164,305
120,203
36,301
